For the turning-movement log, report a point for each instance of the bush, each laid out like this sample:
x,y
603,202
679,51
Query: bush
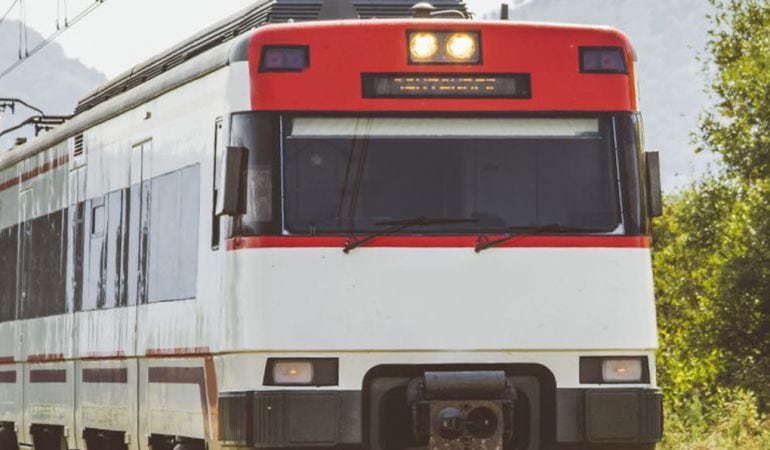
x,y
735,423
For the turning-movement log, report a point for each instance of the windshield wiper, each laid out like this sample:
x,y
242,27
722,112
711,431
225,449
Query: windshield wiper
x,y
520,231
398,225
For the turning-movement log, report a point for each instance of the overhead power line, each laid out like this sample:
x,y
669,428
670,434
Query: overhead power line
x,y
10,103
10,8
68,24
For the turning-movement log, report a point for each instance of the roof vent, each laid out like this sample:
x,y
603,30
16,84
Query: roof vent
x,y
337,9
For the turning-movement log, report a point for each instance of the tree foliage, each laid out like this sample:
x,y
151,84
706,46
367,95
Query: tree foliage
x,y
737,129
712,256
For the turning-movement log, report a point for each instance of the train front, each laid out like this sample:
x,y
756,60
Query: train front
x,y
437,237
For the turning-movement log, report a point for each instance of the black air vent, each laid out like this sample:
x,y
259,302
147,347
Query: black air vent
x,y
301,11
79,146
387,9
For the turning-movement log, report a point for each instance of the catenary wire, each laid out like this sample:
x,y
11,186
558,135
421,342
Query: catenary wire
x,y
7,12
69,24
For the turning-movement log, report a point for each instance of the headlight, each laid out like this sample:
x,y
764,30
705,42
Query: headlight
x,y
622,370
461,46
423,46
302,372
293,372
614,370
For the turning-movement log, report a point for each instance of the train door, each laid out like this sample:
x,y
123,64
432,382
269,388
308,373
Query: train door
x,y
74,276
137,260
48,377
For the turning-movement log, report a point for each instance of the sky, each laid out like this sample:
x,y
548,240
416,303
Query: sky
x,y
122,33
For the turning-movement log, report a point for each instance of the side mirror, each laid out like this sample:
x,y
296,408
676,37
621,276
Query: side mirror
x,y
654,188
232,193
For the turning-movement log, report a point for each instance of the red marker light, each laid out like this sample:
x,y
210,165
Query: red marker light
x,y
290,58
602,60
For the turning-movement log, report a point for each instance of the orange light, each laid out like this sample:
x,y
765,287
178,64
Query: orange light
x,y
622,370
293,372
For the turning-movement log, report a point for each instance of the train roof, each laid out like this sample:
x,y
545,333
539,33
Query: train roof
x,y
257,15
211,50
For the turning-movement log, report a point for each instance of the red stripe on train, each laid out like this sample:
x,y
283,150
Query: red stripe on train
x,y
241,243
182,352
37,171
52,357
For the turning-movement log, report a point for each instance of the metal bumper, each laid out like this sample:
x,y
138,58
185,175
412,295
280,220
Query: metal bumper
x,y
290,419
609,416
330,419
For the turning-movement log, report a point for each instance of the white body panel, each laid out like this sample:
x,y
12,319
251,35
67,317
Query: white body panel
x,y
440,299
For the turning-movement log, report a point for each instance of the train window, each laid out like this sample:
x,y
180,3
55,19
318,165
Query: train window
x,y
8,262
173,240
216,222
631,157
113,264
75,255
97,220
164,238
97,258
346,175
259,133
133,242
44,266
188,249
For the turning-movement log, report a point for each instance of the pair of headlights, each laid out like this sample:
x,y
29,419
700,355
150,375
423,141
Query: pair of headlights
x,y
444,47
325,371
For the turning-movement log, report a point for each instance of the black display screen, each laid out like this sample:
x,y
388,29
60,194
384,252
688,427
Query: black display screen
x,y
377,85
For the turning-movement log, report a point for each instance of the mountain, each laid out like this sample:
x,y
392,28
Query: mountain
x,y
668,37
49,80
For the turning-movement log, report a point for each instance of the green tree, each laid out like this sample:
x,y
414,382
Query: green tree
x,y
712,257
738,128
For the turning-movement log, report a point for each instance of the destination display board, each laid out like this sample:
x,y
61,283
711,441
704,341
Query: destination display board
x,y
379,85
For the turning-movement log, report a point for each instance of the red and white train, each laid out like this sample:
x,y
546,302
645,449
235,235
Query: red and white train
x,y
382,234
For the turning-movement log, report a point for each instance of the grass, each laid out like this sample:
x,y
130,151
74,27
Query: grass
x,y
733,422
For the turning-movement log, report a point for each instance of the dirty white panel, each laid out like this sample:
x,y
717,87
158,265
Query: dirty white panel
x,y
107,396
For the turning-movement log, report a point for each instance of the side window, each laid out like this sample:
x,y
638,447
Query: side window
x,y
216,222
75,255
188,232
97,258
97,219
173,237
8,262
113,266
45,266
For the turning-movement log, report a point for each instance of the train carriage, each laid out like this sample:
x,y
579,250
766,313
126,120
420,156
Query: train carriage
x,y
335,225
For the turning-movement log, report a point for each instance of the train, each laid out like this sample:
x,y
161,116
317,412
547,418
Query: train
x,y
357,224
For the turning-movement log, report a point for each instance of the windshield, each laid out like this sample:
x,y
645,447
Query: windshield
x,y
351,175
